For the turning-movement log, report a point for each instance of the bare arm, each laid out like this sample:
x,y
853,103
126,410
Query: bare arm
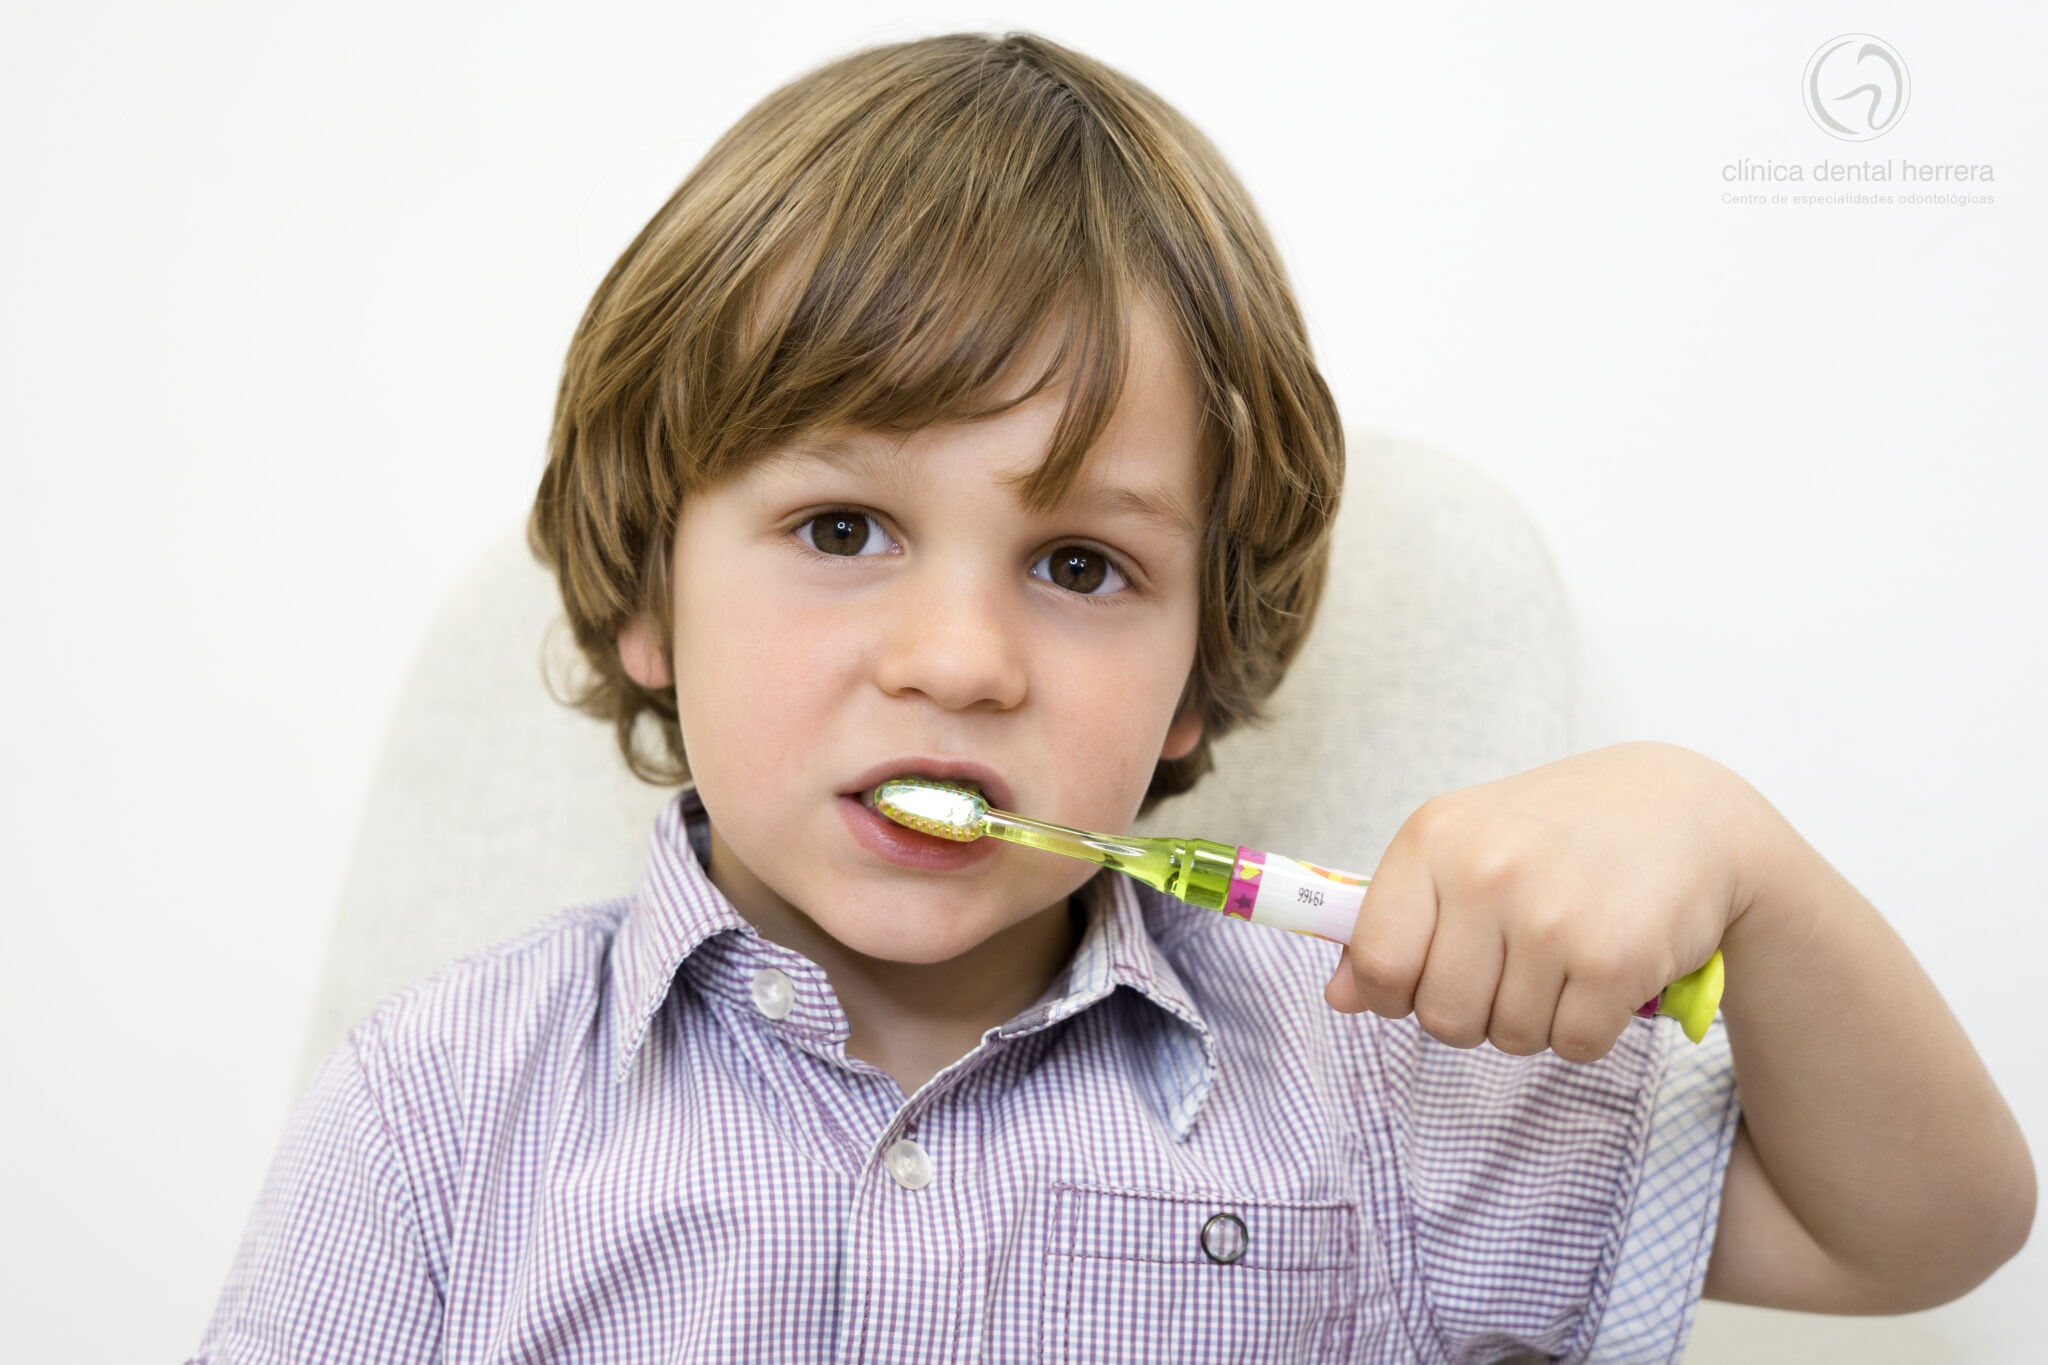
x,y
1877,1170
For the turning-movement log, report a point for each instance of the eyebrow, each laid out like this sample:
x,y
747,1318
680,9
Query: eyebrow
x,y
884,464
1160,508
864,458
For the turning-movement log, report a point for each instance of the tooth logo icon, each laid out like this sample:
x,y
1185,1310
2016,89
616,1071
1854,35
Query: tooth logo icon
x,y
1856,87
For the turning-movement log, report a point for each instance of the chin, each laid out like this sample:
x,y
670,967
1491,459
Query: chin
x,y
908,937
910,942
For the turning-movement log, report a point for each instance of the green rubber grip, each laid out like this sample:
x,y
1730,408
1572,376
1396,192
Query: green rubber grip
x,y
1693,998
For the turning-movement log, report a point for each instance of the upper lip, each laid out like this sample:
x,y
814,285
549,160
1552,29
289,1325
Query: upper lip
x,y
991,782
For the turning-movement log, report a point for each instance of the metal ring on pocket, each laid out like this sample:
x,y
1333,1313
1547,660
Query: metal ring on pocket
x,y
1224,1238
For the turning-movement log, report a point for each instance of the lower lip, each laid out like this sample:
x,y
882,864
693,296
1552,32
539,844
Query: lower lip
x,y
887,840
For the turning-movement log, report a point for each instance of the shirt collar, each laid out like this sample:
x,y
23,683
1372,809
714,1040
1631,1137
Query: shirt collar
x,y
677,910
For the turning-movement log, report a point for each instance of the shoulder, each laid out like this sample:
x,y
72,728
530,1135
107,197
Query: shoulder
x,y
493,1007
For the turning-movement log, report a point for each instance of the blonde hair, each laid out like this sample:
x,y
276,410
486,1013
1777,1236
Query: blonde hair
x,y
872,246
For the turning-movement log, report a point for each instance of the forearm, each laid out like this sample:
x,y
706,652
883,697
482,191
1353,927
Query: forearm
x,y
1869,1114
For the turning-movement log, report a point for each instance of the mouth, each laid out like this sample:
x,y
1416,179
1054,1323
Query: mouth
x,y
908,848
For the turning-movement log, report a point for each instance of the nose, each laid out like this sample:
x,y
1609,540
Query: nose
x,y
954,636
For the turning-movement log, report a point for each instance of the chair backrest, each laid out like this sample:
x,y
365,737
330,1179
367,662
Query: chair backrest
x,y
1444,655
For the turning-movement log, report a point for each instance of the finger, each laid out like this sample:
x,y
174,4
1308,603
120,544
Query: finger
x,y
1454,999
1524,1006
1592,1011
1391,940
1342,991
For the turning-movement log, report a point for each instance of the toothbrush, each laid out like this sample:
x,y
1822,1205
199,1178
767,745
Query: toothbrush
x,y
1243,883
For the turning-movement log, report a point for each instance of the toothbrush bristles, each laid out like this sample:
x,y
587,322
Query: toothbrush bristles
x,y
945,810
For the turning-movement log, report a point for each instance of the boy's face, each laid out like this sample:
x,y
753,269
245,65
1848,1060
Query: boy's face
x,y
893,607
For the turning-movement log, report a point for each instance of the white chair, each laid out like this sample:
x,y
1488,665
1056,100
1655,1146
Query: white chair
x,y
1444,655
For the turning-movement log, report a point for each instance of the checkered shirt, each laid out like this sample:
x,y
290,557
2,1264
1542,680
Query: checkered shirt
x,y
633,1134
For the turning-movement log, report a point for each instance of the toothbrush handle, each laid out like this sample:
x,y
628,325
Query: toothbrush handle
x,y
1266,888
1692,999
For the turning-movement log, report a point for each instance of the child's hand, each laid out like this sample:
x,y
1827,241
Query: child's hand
x,y
1540,910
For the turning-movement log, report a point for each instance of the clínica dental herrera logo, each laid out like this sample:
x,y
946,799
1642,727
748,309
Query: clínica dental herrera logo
x,y
1856,87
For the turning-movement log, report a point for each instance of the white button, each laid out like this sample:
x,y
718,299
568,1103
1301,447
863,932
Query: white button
x,y
774,993
909,1164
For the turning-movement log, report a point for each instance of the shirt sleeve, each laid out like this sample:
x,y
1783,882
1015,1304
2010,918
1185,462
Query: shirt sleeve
x,y
332,1265
1670,1234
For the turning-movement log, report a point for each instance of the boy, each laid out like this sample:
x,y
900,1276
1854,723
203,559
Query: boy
x,y
954,418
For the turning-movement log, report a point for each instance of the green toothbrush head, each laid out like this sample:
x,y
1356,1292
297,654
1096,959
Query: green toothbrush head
x,y
929,806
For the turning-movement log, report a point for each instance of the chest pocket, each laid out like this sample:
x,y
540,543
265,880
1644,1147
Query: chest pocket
x,y
1136,1276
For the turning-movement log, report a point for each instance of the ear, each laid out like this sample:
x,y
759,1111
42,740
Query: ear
x,y
1184,734
640,652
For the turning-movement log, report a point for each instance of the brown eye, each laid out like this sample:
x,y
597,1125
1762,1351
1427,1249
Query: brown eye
x,y
1079,569
838,533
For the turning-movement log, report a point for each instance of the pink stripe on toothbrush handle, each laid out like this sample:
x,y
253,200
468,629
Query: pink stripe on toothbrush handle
x,y
1244,890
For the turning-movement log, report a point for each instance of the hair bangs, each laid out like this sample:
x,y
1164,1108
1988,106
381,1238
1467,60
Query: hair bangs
x,y
960,257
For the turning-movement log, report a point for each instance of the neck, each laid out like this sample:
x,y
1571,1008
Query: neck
x,y
914,1019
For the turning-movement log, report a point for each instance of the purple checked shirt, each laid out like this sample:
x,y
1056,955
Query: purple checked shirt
x,y
633,1134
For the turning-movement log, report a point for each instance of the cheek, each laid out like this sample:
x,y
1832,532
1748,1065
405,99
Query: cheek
x,y
1114,714
756,679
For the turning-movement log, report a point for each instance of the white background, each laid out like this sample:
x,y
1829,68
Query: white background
x,y
284,295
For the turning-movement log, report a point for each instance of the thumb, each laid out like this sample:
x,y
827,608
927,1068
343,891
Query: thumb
x,y
1342,992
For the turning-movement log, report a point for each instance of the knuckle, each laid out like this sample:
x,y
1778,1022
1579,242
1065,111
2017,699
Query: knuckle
x,y
1387,1005
1430,824
1608,963
1426,819
1495,867
1516,1042
1583,1044
1377,969
1549,929
1449,1026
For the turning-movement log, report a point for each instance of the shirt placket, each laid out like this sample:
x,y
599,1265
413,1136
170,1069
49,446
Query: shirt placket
x,y
913,1275
910,1273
